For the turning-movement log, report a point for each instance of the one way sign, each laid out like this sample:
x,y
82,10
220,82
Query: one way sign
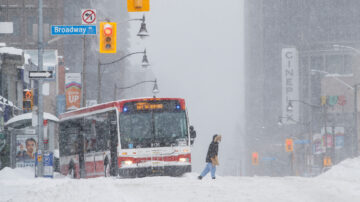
x,y
40,74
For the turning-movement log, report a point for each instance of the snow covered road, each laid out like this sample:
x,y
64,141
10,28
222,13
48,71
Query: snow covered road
x,y
341,183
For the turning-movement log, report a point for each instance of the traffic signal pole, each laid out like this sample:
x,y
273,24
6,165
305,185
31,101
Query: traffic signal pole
x,y
83,75
40,170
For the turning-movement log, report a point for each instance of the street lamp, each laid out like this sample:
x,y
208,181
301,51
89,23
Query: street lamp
x,y
290,106
145,63
333,76
337,46
143,31
155,87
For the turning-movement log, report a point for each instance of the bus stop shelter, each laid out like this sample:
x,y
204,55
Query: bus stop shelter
x,y
23,138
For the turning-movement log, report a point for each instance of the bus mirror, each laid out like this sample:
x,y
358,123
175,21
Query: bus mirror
x,y
192,132
192,135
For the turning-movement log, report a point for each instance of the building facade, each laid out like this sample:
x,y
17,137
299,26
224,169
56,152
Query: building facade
x,y
327,74
24,16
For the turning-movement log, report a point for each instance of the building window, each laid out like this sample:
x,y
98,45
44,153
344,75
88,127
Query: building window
x,y
30,25
335,64
17,25
317,62
348,64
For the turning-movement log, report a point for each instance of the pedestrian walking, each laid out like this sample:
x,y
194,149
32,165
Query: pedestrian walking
x,y
212,157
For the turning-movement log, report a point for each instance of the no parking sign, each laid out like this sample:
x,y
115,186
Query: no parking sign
x,y
88,16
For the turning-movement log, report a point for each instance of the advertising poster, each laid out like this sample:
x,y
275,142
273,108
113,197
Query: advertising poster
x,y
327,137
339,137
318,147
48,164
26,147
73,90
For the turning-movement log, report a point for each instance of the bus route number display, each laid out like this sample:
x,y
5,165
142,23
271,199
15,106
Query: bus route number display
x,y
148,106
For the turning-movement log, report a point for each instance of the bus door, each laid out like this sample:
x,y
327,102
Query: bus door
x,y
113,143
90,164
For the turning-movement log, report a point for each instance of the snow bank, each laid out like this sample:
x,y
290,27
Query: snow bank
x,y
28,116
11,50
347,170
16,174
341,183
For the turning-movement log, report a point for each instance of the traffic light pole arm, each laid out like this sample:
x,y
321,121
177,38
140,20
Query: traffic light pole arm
x,y
136,84
305,103
137,19
109,63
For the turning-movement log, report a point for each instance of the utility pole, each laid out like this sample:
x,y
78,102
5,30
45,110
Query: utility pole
x,y
40,170
115,91
83,75
354,140
99,82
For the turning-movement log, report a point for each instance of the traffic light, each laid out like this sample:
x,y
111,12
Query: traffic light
x,y
107,37
138,5
255,158
289,145
28,99
327,161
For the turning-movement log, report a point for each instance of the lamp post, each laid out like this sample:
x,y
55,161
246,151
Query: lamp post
x,y
143,31
145,64
155,87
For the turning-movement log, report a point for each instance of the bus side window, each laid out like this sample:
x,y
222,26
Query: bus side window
x,y
102,131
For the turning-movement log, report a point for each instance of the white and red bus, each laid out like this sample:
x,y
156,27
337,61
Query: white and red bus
x,y
129,138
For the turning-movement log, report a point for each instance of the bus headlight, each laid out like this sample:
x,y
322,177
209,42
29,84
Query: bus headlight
x,y
183,159
126,162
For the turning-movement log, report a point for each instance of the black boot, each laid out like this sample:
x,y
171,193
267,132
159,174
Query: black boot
x,y
213,178
200,177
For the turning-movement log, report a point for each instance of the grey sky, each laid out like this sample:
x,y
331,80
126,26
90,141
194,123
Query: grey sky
x,y
196,52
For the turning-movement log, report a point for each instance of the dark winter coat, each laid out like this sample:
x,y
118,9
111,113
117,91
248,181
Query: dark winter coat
x,y
213,150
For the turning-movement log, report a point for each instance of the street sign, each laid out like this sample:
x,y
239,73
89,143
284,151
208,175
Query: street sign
x,y
301,142
40,74
268,158
30,131
48,164
73,29
88,16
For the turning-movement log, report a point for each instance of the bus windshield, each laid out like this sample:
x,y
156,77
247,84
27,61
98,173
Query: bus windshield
x,y
153,129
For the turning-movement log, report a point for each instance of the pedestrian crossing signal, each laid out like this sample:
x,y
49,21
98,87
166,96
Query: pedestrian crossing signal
x,y
327,161
289,145
28,99
107,37
255,158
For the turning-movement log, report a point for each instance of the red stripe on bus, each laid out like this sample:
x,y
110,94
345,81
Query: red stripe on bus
x,y
118,104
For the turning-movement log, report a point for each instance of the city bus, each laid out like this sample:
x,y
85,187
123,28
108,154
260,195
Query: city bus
x,y
126,138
